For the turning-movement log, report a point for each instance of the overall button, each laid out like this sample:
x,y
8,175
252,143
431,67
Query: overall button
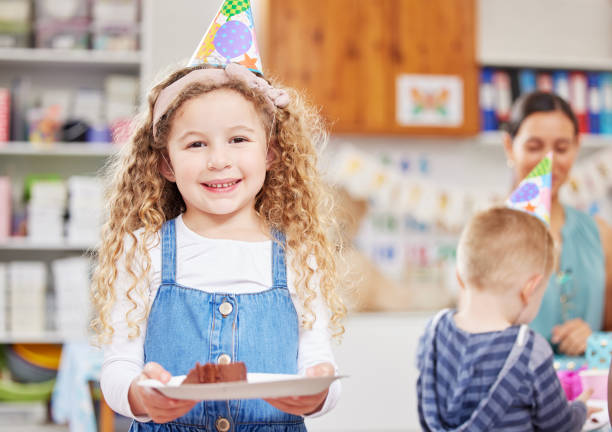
x,y
222,424
224,359
225,308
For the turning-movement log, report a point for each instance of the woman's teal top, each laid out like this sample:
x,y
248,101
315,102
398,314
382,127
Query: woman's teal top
x,y
577,290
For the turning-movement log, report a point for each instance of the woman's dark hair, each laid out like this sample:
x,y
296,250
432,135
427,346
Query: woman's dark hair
x,y
536,102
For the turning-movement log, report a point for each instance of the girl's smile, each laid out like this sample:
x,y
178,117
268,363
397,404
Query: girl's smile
x,y
222,185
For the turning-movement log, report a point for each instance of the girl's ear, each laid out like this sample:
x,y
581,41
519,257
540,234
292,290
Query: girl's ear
x,y
166,169
273,154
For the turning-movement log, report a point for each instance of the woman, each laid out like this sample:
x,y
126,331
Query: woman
x,y
577,301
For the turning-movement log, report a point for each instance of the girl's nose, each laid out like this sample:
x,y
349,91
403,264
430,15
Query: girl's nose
x,y
218,159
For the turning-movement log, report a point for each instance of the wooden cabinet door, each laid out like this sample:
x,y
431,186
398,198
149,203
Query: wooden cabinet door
x,y
347,54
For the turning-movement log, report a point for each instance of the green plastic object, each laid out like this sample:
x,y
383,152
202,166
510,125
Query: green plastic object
x,y
29,179
11,391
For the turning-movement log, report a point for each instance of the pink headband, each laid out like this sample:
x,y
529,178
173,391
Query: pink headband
x,y
276,97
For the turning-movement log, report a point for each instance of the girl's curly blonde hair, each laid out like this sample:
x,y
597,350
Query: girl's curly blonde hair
x,y
293,200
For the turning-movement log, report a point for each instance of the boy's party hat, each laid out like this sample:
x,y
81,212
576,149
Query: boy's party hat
x,y
230,38
533,194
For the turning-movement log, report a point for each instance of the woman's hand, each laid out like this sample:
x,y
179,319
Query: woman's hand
x,y
304,405
571,336
146,401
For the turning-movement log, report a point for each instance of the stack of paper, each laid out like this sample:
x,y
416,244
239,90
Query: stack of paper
x,y
85,209
46,211
71,283
27,287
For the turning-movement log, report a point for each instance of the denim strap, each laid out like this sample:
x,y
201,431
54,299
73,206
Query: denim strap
x,y
279,267
168,250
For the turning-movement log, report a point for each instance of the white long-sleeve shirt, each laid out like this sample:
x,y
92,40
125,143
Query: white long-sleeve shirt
x,y
231,266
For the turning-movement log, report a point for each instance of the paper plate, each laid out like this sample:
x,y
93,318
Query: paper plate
x,y
257,386
598,421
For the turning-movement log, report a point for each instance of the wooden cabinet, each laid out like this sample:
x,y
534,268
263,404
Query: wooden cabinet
x,y
347,54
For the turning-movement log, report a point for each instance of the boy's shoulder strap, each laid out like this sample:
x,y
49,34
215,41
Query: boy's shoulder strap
x,y
508,377
437,317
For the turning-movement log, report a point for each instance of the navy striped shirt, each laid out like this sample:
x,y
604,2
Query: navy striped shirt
x,y
466,383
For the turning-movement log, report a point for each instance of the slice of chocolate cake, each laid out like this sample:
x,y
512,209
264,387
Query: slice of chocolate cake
x,y
214,373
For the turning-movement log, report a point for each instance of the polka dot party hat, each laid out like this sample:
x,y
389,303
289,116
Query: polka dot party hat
x,y
230,38
533,194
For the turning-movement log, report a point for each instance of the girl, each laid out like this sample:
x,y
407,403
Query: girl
x,y
217,250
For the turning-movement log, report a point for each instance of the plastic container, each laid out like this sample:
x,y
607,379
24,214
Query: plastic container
x,y
116,38
43,355
14,40
597,380
23,371
15,27
61,9
16,392
62,35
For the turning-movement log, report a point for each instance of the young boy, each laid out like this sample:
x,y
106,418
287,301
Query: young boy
x,y
480,367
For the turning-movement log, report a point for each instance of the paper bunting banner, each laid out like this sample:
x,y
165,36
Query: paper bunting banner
x,y
360,173
230,38
533,194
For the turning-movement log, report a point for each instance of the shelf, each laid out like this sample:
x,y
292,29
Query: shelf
x,y
39,428
24,148
88,58
46,337
25,243
588,140
542,62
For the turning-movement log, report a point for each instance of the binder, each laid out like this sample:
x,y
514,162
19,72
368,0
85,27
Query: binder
x,y
606,108
593,102
561,84
578,99
527,81
488,120
545,82
503,96
5,116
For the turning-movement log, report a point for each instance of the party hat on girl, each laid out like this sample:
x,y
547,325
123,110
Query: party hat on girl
x,y
230,38
533,194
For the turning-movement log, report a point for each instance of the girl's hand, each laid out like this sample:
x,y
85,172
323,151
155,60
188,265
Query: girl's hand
x,y
571,336
304,405
149,402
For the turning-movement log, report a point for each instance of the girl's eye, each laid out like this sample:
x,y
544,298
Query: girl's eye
x,y
238,140
197,144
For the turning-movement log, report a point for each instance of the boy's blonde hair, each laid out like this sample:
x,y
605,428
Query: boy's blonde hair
x,y
502,248
293,200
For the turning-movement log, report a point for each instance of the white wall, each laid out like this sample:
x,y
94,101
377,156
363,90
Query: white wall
x,y
176,28
545,29
378,353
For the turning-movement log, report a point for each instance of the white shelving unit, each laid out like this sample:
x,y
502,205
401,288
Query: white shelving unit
x,y
544,62
43,338
59,69
589,141
26,244
89,58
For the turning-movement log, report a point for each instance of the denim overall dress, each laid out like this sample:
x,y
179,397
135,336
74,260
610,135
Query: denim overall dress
x,y
186,325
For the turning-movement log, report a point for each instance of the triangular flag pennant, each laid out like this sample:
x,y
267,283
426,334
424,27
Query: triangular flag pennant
x,y
230,38
533,194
